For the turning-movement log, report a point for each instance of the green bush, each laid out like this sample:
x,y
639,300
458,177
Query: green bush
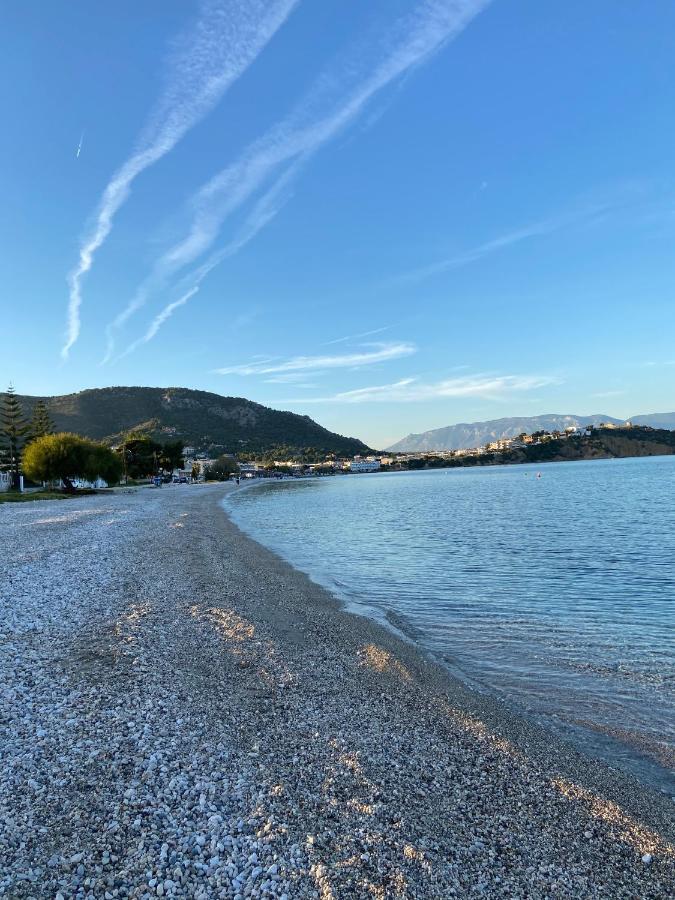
x,y
65,457
221,469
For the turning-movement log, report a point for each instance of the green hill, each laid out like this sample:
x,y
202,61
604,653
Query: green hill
x,y
201,419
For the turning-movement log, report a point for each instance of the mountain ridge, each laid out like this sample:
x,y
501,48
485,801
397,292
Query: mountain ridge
x,y
464,435
205,420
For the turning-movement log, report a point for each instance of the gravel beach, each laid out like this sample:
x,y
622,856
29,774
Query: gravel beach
x,y
183,714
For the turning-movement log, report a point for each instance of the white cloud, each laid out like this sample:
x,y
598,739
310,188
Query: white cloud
x,y
382,353
409,390
295,378
355,337
225,40
263,212
160,319
582,216
318,119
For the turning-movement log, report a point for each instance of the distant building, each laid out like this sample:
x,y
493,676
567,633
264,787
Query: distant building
x,y
501,444
364,465
252,467
189,451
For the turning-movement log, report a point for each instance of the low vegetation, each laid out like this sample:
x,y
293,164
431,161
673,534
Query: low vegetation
x,y
221,469
28,496
67,457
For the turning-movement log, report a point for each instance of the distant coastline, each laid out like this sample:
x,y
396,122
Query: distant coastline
x,y
599,443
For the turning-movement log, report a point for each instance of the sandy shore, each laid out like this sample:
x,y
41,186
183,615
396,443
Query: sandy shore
x,y
183,714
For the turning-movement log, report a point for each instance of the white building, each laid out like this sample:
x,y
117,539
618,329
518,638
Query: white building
x,y
364,465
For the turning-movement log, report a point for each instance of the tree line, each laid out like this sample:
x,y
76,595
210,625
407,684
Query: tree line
x,y
32,448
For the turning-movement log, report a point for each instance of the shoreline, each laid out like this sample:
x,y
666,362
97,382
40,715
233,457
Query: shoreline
x,y
191,716
554,753
640,756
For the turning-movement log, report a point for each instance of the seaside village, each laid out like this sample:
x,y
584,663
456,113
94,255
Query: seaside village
x,y
196,462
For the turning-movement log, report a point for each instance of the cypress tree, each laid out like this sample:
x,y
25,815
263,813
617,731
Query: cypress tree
x,y
13,429
40,423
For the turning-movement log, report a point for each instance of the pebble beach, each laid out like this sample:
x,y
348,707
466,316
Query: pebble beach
x,y
183,714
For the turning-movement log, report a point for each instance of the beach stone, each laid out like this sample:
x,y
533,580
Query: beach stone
x,y
336,762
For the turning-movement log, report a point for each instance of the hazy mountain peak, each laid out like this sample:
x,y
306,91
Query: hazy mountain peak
x,y
476,434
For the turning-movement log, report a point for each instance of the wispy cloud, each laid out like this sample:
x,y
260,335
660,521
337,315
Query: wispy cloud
x,y
356,337
225,40
296,378
583,216
160,319
380,353
335,103
409,390
262,213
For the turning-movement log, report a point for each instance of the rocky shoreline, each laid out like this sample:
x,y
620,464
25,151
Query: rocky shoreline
x,y
185,715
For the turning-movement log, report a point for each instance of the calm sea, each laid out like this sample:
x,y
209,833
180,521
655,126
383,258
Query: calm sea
x,y
556,593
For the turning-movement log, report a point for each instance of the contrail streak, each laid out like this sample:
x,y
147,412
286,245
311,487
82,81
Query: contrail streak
x,y
412,41
263,212
79,146
225,40
159,320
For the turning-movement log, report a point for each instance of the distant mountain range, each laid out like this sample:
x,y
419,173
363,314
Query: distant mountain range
x,y
477,434
201,419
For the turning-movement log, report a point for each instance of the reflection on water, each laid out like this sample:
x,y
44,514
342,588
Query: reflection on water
x,y
555,592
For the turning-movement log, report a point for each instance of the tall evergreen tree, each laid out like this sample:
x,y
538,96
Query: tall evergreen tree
x,y
40,423
13,429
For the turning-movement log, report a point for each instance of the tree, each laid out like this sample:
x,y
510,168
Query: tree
x,y
57,457
171,456
142,455
221,469
196,472
13,429
40,423
101,462
66,457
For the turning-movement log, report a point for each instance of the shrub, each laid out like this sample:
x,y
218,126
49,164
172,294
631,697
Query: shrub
x,y
221,469
64,457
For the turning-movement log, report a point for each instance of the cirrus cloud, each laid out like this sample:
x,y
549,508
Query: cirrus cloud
x,y
409,390
380,353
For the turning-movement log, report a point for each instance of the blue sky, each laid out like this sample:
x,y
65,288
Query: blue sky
x,y
391,216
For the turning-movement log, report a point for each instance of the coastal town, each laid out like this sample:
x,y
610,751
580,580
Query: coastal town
x,y
140,459
197,462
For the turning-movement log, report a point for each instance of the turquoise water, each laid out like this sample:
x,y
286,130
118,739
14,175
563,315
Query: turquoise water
x,y
557,592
